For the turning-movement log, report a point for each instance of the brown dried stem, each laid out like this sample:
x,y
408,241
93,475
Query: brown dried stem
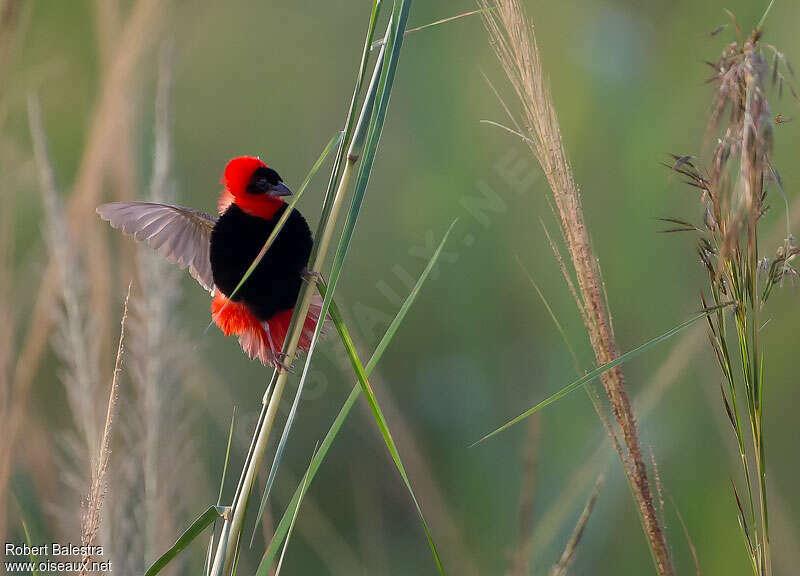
x,y
560,568
90,523
522,563
514,43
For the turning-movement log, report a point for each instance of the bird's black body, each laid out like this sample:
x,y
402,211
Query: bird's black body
x,y
274,285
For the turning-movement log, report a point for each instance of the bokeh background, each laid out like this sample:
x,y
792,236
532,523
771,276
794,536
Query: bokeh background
x,y
274,79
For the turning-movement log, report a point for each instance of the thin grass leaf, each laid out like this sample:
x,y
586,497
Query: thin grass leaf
x,y
673,230
294,516
683,225
382,425
764,16
326,210
351,113
367,108
588,377
339,173
779,181
227,455
32,556
560,568
728,410
380,90
203,521
338,181
751,549
209,555
553,316
516,133
358,137
282,527
286,213
688,538
379,43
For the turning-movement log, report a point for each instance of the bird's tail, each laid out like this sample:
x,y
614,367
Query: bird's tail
x,y
262,340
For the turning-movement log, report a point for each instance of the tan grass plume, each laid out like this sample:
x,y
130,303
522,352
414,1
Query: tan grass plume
x,y
513,40
90,523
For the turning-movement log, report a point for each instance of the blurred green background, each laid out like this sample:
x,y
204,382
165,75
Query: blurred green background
x,y
274,79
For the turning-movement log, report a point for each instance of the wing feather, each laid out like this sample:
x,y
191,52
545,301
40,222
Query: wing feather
x,y
181,235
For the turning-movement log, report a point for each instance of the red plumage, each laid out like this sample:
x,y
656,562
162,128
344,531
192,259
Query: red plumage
x,y
262,340
217,251
236,179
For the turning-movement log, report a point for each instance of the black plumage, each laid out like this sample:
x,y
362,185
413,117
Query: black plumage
x,y
274,285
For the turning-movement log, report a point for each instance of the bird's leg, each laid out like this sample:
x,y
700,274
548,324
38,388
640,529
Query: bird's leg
x,y
280,363
312,276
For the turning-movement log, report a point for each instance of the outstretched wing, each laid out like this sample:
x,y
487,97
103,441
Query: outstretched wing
x,y
181,235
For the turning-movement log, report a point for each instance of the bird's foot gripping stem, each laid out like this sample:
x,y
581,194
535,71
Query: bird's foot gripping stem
x,y
281,364
313,277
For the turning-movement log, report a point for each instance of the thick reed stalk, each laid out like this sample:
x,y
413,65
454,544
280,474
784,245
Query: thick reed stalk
x,y
227,547
515,45
226,551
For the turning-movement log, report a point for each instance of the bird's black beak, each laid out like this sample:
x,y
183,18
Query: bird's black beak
x,y
279,189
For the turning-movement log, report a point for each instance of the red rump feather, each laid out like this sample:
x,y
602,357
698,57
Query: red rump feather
x,y
262,340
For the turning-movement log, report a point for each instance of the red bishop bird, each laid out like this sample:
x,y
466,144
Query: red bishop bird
x,y
218,251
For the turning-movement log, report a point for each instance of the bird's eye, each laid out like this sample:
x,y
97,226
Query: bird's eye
x,y
262,180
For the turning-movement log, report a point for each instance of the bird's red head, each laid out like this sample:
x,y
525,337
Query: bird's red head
x,y
252,186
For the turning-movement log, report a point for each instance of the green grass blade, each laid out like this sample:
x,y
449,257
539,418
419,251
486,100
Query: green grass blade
x,y
285,216
203,521
764,16
227,456
409,301
303,488
210,549
282,527
552,313
224,537
589,376
379,43
209,555
362,128
351,113
32,556
336,172
326,222
380,419
346,134
382,91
